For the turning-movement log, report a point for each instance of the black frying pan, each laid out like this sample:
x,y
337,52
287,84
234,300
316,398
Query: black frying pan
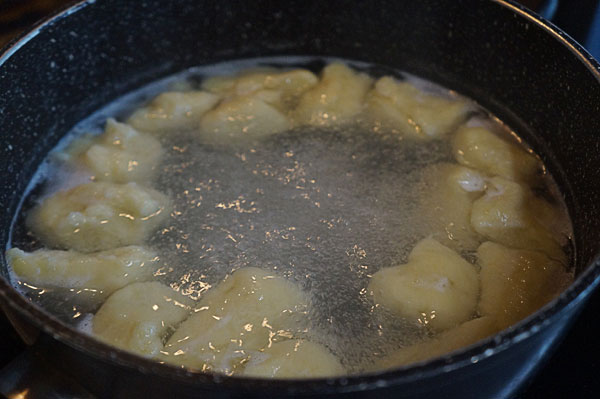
x,y
529,74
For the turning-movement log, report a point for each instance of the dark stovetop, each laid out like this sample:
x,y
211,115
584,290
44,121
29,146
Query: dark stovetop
x,y
573,371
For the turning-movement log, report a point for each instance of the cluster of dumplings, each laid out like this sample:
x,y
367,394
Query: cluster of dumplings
x,y
484,203
253,323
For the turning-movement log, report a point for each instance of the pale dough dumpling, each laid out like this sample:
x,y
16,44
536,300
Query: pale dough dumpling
x,y
99,216
242,118
445,204
516,282
173,111
481,149
279,89
294,359
337,98
122,154
248,311
458,337
436,287
508,214
402,107
137,317
104,271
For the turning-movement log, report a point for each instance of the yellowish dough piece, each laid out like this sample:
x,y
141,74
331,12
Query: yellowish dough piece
x,y
446,201
104,271
173,111
508,214
436,287
137,317
248,311
459,337
337,98
279,89
72,154
99,216
516,282
402,107
478,148
122,154
294,359
242,118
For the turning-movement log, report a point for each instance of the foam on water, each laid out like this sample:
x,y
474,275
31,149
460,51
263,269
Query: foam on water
x,y
327,208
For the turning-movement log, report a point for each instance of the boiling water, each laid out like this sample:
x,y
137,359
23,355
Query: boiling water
x,y
325,207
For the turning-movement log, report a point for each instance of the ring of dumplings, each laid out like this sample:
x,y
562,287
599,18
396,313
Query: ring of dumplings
x,y
253,323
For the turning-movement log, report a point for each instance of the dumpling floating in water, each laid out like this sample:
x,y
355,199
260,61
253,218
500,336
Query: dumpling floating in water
x,y
436,287
99,216
246,312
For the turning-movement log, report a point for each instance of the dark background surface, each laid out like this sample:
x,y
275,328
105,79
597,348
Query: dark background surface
x,y
574,370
